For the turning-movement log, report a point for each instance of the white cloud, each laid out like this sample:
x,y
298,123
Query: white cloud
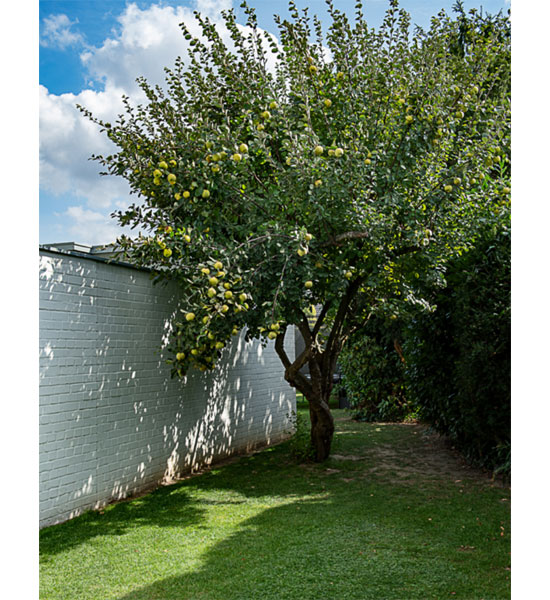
x,y
212,8
147,41
56,32
90,227
67,140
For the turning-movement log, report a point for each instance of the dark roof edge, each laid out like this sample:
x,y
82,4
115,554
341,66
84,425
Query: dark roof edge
x,y
94,257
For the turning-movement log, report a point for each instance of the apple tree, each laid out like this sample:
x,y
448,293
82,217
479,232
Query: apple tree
x,y
314,180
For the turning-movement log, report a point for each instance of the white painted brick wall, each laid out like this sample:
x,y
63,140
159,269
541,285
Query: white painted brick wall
x,y
112,422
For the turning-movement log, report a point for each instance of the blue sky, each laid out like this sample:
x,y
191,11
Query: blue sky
x,y
91,51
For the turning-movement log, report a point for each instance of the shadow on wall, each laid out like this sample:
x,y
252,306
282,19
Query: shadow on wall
x,y
113,423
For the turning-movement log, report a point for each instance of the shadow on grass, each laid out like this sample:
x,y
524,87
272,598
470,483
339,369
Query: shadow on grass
x,y
322,532
174,506
261,560
346,545
165,507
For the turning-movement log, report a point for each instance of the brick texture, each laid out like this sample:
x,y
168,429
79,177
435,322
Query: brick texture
x,y
112,422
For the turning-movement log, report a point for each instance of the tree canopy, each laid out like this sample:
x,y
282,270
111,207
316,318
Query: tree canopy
x,y
314,180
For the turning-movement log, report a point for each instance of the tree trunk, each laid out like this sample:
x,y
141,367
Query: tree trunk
x,y
318,386
322,427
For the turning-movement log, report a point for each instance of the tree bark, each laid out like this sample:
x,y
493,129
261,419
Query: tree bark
x,y
322,428
322,362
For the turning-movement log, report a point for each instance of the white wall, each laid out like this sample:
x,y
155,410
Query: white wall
x,y
112,422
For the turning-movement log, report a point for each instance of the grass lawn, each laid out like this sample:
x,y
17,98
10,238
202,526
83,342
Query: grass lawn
x,y
392,514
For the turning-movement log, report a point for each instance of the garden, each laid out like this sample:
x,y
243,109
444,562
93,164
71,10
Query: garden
x,y
354,186
394,513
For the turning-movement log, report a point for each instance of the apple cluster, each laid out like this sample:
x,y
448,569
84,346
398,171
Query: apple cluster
x,y
212,318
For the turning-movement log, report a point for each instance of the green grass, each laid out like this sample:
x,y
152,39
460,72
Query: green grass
x,y
393,514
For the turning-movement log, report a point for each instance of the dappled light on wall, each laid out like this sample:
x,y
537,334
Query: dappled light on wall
x,y
112,421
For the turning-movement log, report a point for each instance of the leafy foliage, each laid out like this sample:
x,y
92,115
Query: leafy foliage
x,y
342,171
458,358
300,447
373,373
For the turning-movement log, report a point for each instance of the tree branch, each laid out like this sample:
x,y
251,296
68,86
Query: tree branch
x,y
320,319
292,370
349,235
338,322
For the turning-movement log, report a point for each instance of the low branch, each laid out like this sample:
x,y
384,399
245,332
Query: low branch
x,y
331,347
292,369
320,320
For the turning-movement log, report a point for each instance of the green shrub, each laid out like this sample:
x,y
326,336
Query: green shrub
x,y
301,449
458,358
373,374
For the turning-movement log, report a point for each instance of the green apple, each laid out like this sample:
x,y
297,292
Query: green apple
x,y
318,150
308,285
190,316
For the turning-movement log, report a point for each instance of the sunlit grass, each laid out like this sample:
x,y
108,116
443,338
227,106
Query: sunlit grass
x,y
391,515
